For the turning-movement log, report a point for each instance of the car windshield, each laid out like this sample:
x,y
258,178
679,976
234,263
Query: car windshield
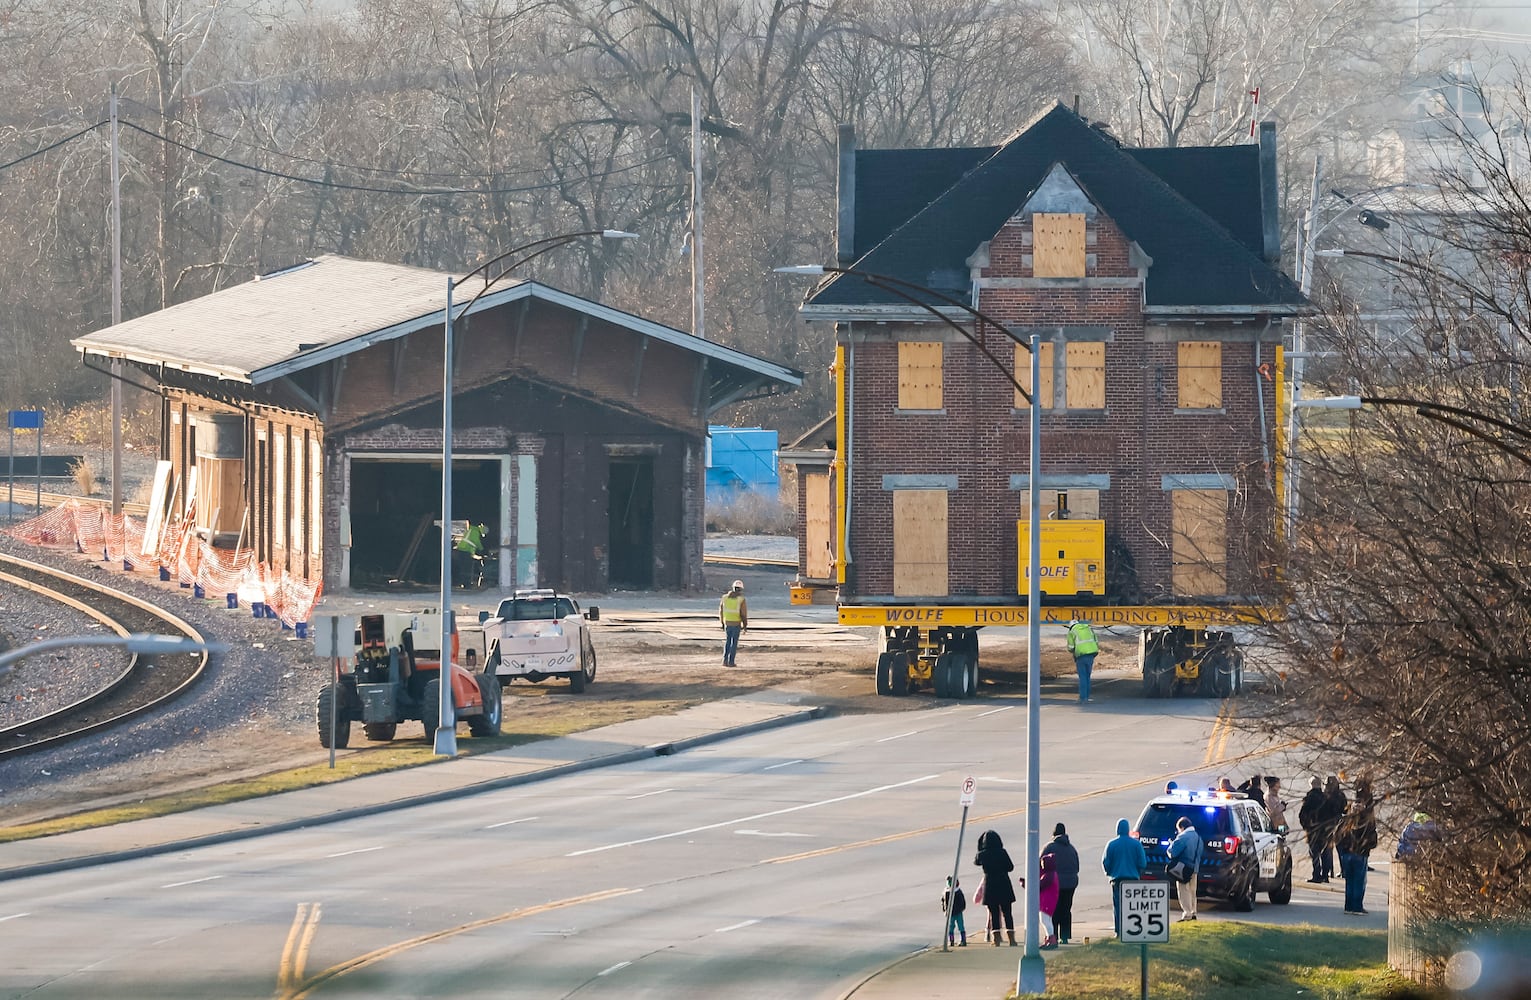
x,y
1159,819
534,609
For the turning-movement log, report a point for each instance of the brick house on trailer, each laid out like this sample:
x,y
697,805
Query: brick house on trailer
x,y
1153,276
309,403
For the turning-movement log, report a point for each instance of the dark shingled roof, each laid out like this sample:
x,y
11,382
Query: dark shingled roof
x,y
893,184
1198,261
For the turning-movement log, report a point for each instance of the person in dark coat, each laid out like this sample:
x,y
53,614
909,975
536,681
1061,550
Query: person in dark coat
x,y
1255,789
1066,864
998,890
1307,818
1330,811
1355,839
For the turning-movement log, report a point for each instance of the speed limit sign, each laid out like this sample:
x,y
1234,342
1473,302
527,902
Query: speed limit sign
x,y
1145,912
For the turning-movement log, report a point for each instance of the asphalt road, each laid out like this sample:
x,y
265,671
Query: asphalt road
x,y
789,863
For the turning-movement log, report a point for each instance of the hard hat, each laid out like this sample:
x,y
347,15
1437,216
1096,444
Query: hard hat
x,y
738,584
1073,622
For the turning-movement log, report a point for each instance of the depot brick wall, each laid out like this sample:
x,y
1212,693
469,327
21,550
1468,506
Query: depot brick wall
x,y
982,439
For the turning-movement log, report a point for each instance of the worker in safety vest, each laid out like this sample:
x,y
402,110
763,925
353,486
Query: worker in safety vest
x,y
734,615
468,557
1084,646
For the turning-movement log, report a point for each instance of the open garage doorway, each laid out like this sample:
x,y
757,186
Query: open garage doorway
x,y
395,505
630,521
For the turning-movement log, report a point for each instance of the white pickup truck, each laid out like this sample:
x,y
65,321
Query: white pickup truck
x,y
536,634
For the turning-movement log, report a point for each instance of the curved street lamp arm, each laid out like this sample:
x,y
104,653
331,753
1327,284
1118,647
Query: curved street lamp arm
x,y
1478,433
1441,411
545,245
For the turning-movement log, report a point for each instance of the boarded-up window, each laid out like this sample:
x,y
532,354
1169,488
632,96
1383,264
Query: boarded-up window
x,y
818,515
1198,547
1057,245
1070,504
919,543
316,505
1085,380
1023,375
1201,375
296,530
279,487
919,376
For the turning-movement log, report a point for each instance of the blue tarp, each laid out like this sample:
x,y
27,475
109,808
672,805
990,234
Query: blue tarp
x,y
740,460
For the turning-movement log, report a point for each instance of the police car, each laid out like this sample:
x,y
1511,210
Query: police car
x,y
1241,854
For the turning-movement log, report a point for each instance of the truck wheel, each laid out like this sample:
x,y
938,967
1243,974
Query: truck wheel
x,y
323,709
898,674
884,673
487,724
577,679
380,732
430,707
941,676
589,664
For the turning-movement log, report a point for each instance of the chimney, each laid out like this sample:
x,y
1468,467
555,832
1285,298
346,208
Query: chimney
x,y
845,220
1270,210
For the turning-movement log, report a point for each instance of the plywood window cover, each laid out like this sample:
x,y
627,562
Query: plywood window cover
x,y
919,375
1058,245
920,543
1200,375
1084,385
818,521
1198,542
1023,374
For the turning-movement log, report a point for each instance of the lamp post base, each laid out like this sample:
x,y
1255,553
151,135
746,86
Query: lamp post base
x,y
446,742
1030,976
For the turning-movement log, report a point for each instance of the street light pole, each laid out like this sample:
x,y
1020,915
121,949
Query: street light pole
x,y
446,722
137,643
1031,975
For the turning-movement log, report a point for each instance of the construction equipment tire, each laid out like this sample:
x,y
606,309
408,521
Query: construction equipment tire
x,y
487,724
884,673
941,676
380,732
430,707
324,710
898,673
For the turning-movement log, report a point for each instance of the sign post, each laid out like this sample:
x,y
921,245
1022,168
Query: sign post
x,y
969,787
1145,918
335,637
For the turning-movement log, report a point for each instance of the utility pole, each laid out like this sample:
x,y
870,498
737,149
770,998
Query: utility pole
x,y
116,388
698,324
1305,250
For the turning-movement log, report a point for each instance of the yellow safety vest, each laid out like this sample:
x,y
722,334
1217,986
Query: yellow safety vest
x,y
1082,640
731,605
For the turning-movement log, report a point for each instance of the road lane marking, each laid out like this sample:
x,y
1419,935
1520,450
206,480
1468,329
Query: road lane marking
x,y
644,795
785,763
359,850
763,833
751,819
511,822
301,991
1051,804
295,950
1222,728
993,711
734,927
898,737
614,968
194,881
14,916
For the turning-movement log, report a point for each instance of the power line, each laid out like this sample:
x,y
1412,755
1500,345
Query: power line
x,y
64,141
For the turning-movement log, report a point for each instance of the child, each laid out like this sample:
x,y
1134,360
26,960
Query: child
x,y
954,925
1047,900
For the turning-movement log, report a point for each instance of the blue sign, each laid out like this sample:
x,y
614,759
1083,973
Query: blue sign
x,y
26,420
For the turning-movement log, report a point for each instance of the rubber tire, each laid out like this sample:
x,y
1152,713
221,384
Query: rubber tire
x,y
430,707
1157,674
962,675
487,724
971,682
589,650
322,712
380,732
1245,902
884,672
941,676
898,674
1281,892
577,679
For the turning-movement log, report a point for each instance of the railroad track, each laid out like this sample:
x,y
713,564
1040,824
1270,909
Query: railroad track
x,y
137,689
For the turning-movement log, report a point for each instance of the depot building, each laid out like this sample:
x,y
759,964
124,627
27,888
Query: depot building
x,y
309,404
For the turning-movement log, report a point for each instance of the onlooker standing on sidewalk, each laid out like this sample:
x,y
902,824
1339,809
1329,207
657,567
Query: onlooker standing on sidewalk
x,y
1186,849
1123,859
734,614
1274,805
1330,811
1066,863
1084,646
953,902
998,890
1047,900
1307,816
1357,836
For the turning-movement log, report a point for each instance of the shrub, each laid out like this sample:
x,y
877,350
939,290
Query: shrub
x,y
83,471
752,514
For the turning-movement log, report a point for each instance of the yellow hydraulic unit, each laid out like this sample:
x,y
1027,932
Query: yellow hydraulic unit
x,y
1073,557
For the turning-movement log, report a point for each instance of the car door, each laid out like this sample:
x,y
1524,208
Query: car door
x,y
1267,841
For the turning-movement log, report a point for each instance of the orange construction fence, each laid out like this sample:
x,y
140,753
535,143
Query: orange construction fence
x,y
179,553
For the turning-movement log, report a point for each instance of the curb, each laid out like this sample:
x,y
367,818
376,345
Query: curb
x,y
884,969
376,808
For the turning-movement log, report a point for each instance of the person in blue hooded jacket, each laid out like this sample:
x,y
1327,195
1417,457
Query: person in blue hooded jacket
x,y
1123,859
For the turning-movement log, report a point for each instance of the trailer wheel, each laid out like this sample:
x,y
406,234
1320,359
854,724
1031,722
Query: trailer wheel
x,y
430,707
884,673
898,674
380,732
941,676
964,675
487,724
324,708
